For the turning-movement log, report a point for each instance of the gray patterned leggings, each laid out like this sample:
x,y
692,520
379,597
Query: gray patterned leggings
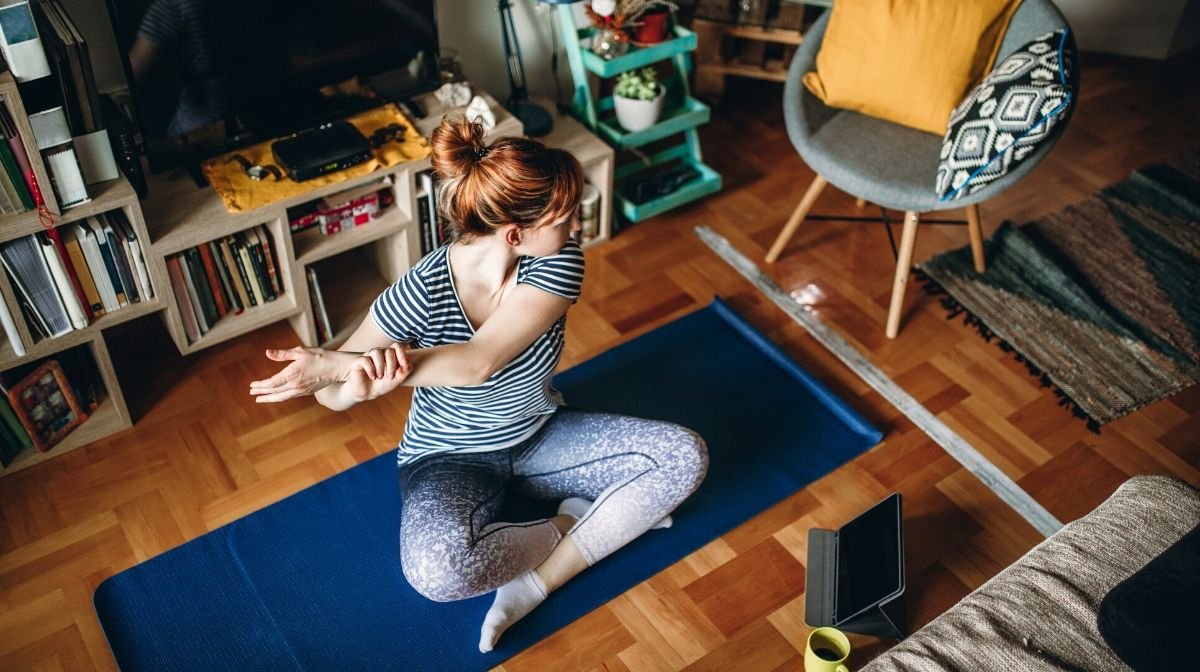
x,y
637,471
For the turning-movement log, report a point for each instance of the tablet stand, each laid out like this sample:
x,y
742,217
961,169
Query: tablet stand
x,y
884,619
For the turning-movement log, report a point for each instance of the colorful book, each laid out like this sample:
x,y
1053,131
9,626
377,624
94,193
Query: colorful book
x,y
214,283
83,271
231,297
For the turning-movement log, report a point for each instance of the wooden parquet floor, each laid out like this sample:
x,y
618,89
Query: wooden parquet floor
x,y
202,454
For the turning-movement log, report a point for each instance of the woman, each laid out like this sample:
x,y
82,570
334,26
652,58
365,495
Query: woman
x,y
477,328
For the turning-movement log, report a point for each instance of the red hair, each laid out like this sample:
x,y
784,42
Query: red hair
x,y
514,180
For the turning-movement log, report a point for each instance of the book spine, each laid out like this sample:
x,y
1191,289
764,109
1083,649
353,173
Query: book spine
x,y
214,283
268,252
236,274
201,286
10,330
110,265
95,263
66,294
189,278
254,280
182,300
117,247
76,285
83,273
13,171
226,278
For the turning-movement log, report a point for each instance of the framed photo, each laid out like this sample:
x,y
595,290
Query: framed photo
x,y
44,403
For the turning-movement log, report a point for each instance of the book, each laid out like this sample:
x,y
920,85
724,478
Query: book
x,y
116,246
186,311
10,330
194,287
236,274
9,203
21,43
59,90
133,248
65,291
268,252
231,297
324,329
214,283
110,261
23,259
13,423
76,286
96,266
13,172
250,274
17,144
83,271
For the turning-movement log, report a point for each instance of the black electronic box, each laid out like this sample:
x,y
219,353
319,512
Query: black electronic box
x,y
325,149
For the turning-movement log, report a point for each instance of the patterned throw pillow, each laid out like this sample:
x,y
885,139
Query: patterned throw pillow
x,y
1002,120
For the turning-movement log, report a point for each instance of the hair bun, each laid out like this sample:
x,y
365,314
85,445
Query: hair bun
x,y
457,145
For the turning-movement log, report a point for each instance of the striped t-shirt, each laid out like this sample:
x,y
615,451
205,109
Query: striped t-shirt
x,y
423,309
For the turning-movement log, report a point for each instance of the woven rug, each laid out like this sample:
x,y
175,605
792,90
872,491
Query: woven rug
x,y
1102,299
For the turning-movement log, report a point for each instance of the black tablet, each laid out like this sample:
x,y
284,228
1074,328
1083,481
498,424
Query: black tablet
x,y
869,560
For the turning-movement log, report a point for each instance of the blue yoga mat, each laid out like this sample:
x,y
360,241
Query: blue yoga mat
x,y
313,582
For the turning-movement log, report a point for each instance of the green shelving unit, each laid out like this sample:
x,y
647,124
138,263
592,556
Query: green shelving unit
x,y
681,115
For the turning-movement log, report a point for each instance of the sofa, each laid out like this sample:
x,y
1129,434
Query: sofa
x,y
1040,613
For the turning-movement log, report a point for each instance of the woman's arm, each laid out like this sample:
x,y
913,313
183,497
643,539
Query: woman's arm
x,y
520,319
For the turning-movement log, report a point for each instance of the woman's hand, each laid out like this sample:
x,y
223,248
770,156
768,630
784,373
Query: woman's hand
x,y
378,372
310,369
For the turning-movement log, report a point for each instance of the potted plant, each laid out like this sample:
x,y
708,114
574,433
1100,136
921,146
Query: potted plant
x,y
616,21
638,99
654,23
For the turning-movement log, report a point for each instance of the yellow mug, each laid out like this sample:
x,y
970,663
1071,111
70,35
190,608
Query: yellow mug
x,y
826,651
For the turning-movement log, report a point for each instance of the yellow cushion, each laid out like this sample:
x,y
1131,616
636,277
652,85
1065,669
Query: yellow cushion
x,y
907,61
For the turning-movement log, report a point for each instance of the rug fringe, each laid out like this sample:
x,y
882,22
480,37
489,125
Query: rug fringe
x,y
954,309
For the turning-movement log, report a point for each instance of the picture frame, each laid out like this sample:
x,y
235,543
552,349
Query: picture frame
x,y
46,406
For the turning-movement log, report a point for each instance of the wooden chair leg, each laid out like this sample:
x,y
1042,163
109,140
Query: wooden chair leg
x,y
976,232
793,223
908,241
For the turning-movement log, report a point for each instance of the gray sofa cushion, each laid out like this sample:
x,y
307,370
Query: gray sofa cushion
x,y
1040,612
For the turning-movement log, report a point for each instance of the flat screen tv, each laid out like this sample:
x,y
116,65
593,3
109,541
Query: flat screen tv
x,y
210,76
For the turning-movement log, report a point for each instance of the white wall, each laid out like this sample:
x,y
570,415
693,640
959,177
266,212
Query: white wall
x,y
472,27
1145,28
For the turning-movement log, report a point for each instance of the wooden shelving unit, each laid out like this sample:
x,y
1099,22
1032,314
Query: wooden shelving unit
x,y
741,50
112,414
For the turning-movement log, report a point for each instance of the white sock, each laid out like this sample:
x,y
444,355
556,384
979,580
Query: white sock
x,y
514,600
576,507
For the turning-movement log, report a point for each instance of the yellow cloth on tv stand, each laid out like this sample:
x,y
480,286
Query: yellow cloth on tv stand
x,y
240,193
907,61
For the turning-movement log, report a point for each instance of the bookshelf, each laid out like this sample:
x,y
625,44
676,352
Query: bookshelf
x,y
112,414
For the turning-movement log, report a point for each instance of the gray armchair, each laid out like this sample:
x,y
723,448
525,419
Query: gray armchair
x,y
891,165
